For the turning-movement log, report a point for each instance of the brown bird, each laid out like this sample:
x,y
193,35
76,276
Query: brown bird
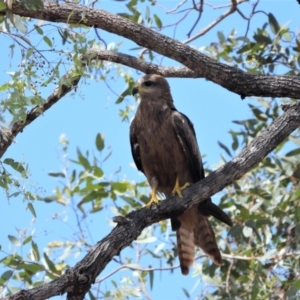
x,y
164,147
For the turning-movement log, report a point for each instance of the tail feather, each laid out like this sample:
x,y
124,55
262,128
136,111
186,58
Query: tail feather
x,y
186,249
204,237
208,208
195,230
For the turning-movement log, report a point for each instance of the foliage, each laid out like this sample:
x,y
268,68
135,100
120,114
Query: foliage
x,y
261,251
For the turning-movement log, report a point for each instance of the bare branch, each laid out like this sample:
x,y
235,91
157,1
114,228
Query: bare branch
x,y
232,9
231,78
78,280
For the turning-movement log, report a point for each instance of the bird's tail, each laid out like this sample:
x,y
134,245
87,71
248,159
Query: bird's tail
x,y
186,248
204,238
195,230
208,208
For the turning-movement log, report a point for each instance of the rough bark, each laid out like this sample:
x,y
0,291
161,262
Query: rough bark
x,y
231,78
78,280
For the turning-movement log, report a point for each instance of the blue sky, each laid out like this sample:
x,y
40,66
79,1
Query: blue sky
x,y
92,109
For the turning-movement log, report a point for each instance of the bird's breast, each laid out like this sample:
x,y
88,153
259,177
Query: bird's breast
x,y
160,150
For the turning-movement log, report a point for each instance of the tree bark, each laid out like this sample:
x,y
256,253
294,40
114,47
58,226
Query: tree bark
x,y
231,78
78,280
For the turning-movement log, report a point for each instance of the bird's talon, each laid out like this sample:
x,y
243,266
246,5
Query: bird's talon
x,y
153,199
177,189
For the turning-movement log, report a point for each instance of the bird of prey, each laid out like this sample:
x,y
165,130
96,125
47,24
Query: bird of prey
x,y
164,147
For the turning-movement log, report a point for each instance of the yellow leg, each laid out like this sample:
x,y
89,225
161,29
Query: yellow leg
x,y
153,199
177,189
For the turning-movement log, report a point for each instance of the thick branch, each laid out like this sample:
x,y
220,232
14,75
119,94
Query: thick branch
x,y
231,78
78,280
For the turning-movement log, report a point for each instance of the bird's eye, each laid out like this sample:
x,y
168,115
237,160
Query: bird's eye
x,y
148,83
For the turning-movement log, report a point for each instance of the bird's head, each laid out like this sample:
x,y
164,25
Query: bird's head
x,y
152,85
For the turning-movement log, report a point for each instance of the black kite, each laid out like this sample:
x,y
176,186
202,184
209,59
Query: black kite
x,y
165,149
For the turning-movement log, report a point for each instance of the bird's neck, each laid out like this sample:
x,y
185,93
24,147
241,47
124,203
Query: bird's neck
x,y
154,105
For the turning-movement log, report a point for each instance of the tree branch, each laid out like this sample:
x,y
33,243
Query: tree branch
x,y
232,9
78,280
231,78
7,137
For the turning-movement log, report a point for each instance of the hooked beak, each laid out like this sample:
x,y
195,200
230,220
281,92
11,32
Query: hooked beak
x,y
135,90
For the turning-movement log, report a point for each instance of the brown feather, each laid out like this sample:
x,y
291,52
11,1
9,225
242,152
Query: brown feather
x,y
164,147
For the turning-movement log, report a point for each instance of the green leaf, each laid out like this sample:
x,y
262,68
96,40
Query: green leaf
x,y
15,241
5,86
49,263
128,89
221,37
48,41
120,187
83,160
31,208
35,251
32,268
15,165
262,39
293,152
151,277
157,21
273,24
7,274
186,292
224,148
39,30
18,22
2,6
98,172
58,174
92,297
27,240
100,142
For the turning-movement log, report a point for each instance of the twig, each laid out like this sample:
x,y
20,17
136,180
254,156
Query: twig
x,y
228,277
215,22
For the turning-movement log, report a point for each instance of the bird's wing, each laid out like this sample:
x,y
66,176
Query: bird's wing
x,y
135,147
187,138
